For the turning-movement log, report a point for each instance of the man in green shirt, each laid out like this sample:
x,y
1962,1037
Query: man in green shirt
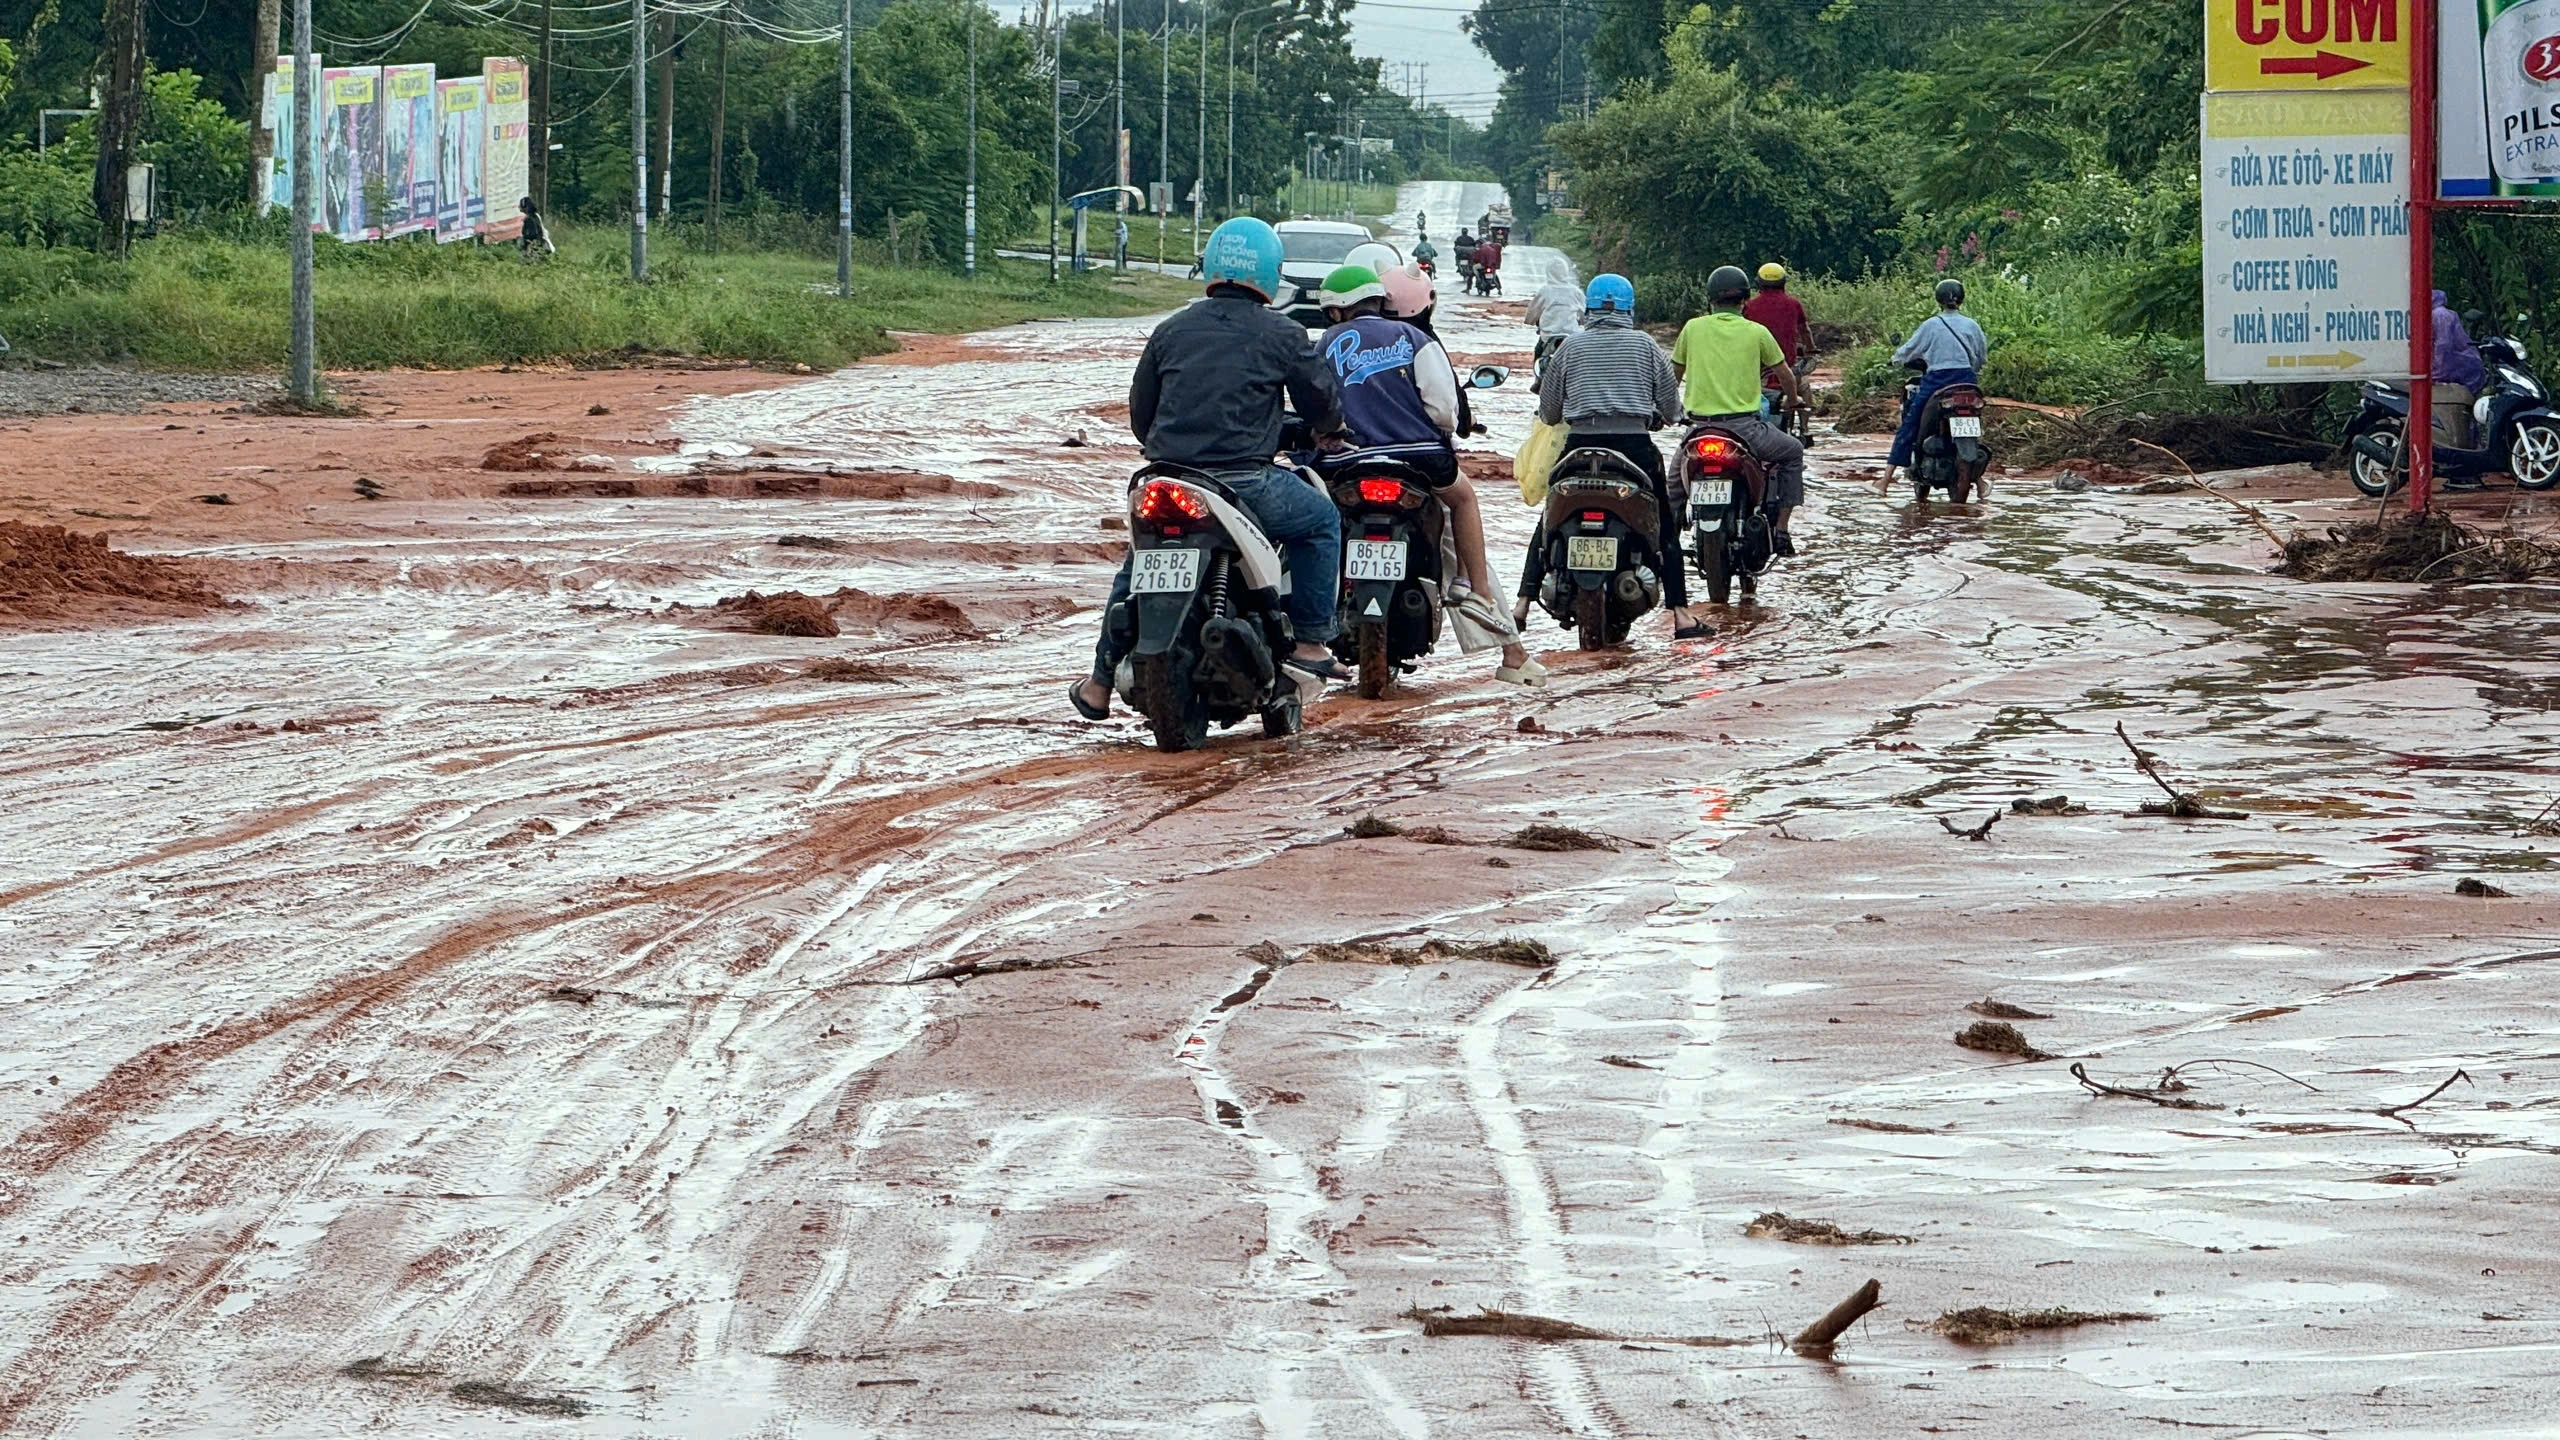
x,y
1720,358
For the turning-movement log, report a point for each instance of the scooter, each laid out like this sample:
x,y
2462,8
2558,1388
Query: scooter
x,y
1205,625
1729,530
1949,455
2518,433
1603,539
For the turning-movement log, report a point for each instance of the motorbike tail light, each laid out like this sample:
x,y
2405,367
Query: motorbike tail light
x,y
1161,502
1381,491
1594,517
1714,452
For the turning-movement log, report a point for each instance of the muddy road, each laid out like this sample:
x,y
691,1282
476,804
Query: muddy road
x,y
542,1031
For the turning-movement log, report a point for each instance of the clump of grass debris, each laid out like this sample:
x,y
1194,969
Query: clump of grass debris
x,y
1999,1038
1437,1323
2429,547
1555,838
2003,1010
841,671
1982,1325
1529,954
1776,1226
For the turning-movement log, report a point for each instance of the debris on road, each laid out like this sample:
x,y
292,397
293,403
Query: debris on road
x,y
1774,1225
2181,804
1999,1038
2003,1010
1982,1325
1977,832
2394,1110
2479,889
1889,1127
1556,838
2050,805
1818,1338
50,573
1508,950
2429,547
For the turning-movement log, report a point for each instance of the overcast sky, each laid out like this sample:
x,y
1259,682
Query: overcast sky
x,y
1424,32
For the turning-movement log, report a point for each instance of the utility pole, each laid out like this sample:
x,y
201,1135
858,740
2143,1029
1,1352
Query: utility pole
x,y
844,156
1231,97
969,197
1120,118
1200,152
1057,146
119,116
662,153
719,121
1164,131
639,140
262,63
539,146
302,370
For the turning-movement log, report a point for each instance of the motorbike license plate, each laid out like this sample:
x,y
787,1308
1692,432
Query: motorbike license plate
x,y
1714,494
1591,552
1158,572
1965,427
1373,560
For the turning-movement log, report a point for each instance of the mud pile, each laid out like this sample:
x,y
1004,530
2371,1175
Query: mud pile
x,y
786,613
541,450
790,612
49,573
2430,547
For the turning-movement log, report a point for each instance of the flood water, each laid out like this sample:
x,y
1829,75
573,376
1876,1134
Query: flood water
x,y
525,1041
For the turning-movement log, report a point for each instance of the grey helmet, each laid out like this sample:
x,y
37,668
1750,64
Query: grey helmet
x,y
1728,286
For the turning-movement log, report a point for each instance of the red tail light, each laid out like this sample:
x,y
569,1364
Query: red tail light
x,y
1594,517
1161,502
1376,491
1714,452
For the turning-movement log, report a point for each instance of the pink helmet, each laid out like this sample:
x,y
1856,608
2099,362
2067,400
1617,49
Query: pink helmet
x,y
1408,291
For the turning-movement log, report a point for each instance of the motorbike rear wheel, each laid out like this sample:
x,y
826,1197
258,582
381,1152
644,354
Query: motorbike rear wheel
x,y
1377,673
2373,478
1716,568
1175,712
1591,618
1960,489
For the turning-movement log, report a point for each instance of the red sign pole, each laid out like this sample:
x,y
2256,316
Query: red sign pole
x,y
2419,433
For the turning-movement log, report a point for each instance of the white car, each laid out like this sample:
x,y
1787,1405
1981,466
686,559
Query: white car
x,y
1309,251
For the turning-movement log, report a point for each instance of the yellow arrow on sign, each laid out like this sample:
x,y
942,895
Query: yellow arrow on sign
x,y
2340,361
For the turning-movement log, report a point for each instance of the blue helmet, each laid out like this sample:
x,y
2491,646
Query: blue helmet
x,y
1610,292
1244,251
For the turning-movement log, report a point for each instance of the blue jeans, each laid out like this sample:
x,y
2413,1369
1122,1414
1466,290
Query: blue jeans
x,y
1909,435
1298,518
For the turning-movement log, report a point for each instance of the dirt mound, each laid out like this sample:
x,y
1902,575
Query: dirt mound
x,y
541,450
2430,547
1775,1225
786,613
49,573
1869,415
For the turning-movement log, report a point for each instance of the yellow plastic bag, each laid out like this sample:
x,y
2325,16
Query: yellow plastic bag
x,y
1537,460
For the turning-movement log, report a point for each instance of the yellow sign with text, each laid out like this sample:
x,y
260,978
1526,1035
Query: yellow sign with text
x,y
2306,44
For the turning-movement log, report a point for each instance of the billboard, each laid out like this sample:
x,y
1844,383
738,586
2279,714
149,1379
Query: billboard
x,y
2498,100
408,148
459,198
276,113
503,163
350,172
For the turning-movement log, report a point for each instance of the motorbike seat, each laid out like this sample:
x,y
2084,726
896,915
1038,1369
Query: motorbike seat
x,y
1169,470
1940,400
1598,462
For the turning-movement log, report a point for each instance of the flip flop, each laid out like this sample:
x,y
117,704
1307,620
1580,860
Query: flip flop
x,y
1694,630
1324,669
1075,697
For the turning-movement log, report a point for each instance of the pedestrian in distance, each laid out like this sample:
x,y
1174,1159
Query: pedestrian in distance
x,y
1947,349
534,242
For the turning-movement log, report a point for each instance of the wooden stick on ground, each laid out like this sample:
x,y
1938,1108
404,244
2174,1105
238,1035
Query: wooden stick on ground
x,y
2256,517
1819,1336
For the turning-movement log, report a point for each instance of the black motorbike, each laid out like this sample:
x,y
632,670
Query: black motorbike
x,y
1603,538
2516,431
1487,282
1949,454
1729,529
1204,627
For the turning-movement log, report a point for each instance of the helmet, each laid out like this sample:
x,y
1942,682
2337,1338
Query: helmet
x,y
1951,293
1728,285
1408,291
1374,256
1244,251
1610,292
1348,285
1773,273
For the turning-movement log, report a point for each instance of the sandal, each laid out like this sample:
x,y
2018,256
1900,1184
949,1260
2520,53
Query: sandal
x,y
1694,630
1528,674
1075,697
1324,669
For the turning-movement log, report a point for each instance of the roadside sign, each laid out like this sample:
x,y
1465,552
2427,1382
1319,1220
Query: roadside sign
x,y
1159,196
2306,44
2306,236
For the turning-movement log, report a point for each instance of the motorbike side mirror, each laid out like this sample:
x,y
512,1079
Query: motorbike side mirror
x,y
1488,376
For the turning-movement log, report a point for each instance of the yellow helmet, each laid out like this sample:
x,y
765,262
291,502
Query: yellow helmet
x,y
1773,273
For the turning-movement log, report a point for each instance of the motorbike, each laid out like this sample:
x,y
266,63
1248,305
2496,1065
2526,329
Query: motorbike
x,y
1796,420
1729,530
1204,627
1488,282
1398,555
1603,540
1949,455
2517,431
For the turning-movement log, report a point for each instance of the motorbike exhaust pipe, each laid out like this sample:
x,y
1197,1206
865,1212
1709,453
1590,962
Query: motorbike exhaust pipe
x,y
1630,587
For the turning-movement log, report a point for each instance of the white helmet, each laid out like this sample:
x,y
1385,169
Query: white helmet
x,y
1376,255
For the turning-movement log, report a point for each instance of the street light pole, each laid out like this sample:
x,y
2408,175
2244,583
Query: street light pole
x,y
639,140
302,373
969,201
844,156
1057,146
1231,99
1200,151
1120,117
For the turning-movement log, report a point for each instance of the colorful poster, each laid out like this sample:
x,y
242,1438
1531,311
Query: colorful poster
x,y
351,152
503,162
408,148
460,201
275,112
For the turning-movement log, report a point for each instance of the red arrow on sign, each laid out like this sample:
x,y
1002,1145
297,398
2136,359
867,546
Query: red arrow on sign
x,y
2324,65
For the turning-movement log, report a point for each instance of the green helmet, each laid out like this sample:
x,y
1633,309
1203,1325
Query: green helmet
x,y
1349,285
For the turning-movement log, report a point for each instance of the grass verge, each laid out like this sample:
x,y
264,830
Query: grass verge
x,y
210,303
